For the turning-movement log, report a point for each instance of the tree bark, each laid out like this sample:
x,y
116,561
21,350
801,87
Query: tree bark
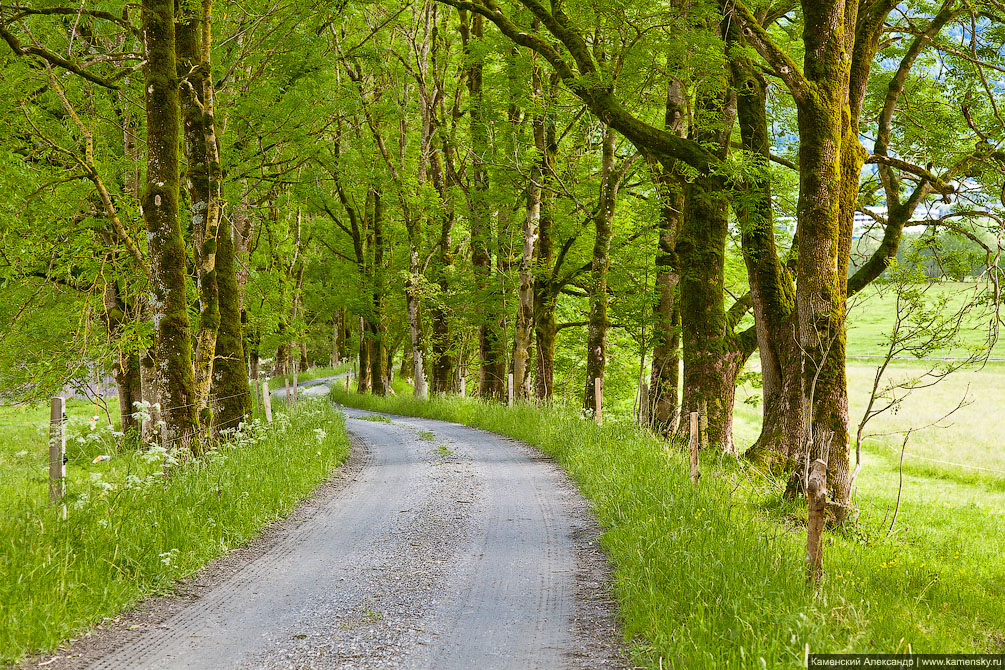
x,y
596,344
230,372
545,283
202,178
378,347
524,331
771,285
165,242
665,375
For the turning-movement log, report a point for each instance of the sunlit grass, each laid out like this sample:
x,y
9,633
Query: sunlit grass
x,y
128,532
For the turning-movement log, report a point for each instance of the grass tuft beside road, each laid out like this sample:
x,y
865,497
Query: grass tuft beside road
x,y
129,533
715,577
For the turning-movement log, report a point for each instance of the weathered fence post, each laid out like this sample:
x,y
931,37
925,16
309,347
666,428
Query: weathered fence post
x,y
464,387
598,399
287,380
692,448
816,494
509,388
57,451
644,405
267,400
295,384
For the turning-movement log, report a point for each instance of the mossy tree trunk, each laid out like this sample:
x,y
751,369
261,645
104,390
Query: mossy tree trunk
x,y
545,282
166,245
230,371
375,322
127,364
840,46
664,379
596,337
443,343
772,287
203,180
712,357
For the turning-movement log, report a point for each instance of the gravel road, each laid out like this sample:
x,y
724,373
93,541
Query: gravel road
x,y
445,547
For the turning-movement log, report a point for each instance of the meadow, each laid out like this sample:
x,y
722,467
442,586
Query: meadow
x,y
129,530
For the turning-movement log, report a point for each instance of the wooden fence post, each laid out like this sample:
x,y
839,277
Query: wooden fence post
x,y
267,400
692,448
287,380
57,451
464,386
509,388
598,399
816,494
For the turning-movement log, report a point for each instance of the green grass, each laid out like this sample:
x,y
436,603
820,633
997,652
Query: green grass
x,y
128,533
873,311
715,577
376,418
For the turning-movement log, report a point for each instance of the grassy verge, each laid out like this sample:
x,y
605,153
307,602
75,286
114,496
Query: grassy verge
x,y
129,532
714,577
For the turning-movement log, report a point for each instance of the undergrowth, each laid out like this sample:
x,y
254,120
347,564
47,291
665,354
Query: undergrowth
x,y
714,577
129,533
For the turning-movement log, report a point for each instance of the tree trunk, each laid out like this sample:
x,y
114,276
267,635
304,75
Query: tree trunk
x,y
414,323
202,178
230,373
545,329
665,376
524,330
596,349
545,289
378,348
711,357
363,376
127,380
771,286
165,242
150,393
821,269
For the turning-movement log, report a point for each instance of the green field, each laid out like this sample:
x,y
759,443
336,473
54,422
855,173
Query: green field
x,y
128,530
872,313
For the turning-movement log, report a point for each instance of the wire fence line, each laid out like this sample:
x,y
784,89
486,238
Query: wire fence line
x,y
42,507
936,460
46,422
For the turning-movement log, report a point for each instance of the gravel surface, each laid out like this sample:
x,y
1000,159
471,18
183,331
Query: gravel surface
x,y
442,547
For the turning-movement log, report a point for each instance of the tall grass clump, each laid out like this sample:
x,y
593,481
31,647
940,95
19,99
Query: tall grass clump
x,y
131,535
706,577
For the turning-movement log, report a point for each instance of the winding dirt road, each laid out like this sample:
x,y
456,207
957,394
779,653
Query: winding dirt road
x,y
443,547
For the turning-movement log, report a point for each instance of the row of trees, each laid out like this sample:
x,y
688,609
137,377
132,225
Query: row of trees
x,y
462,181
